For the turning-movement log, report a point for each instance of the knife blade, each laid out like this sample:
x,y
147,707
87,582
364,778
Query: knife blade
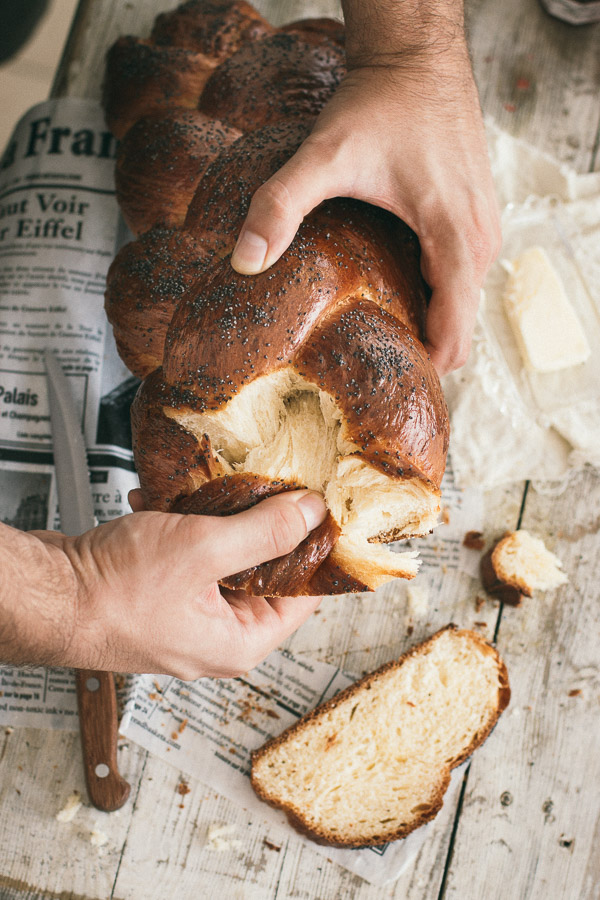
x,y
96,695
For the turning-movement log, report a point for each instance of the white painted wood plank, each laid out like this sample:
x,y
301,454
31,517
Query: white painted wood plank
x,y
531,819
538,77
39,770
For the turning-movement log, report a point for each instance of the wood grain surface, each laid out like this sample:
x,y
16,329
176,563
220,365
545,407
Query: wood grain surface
x,y
526,824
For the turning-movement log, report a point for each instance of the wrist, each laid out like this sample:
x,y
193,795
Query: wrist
x,y
403,33
38,598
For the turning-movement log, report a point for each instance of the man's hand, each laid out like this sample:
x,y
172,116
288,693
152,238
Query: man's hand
x,y
404,132
140,594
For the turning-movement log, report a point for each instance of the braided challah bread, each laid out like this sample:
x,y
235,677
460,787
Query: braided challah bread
x,y
311,374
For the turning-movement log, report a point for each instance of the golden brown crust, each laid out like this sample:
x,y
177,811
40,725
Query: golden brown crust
x,y
280,77
387,254
180,311
284,577
161,161
296,816
389,394
495,580
142,78
322,836
170,462
171,68
146,281
217,28
221,201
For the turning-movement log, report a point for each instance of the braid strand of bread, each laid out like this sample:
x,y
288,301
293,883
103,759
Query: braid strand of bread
x,y
310,375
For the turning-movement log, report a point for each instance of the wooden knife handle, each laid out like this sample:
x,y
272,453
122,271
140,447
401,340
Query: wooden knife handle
x,y
98,723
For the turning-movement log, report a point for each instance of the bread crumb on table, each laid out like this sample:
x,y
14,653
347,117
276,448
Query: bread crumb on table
x,y
218,838
473,540
70,809
98,838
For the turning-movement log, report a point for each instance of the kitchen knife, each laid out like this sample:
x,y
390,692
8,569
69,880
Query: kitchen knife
x,y
96,695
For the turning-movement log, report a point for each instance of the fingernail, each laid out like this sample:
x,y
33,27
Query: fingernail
x,y
313,509
249,253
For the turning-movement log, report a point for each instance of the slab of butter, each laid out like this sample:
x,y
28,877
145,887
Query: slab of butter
x,y
548,333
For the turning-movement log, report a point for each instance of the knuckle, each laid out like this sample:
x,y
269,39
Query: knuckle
x,y
485,236
447,359
458,356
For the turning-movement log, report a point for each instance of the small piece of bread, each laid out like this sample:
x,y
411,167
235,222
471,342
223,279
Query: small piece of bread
x,y
518,565
373,763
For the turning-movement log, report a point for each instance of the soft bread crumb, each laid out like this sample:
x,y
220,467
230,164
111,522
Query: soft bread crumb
x,y
98,838
218,838
70,809
283,427
372,764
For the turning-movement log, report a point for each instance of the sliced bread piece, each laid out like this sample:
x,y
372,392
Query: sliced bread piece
x,y
373,763
518,565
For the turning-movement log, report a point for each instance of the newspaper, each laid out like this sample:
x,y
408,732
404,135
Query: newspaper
x,y
59,231
59,228
208,729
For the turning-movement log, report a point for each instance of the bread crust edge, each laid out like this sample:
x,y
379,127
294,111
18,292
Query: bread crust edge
x,y
321,836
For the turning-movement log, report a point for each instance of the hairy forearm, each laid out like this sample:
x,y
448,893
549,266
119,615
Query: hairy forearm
x,y
37,597
402,32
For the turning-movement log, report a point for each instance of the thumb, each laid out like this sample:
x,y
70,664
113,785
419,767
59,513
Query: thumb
x,y
280,204
266,531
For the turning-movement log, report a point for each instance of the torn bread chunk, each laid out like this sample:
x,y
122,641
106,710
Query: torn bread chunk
x,y
285,428
518,565
548,333
373,763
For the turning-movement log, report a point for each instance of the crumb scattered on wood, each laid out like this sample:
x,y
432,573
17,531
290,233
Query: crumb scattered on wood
x,y
575,692
218,838
70,809
98,838
474,540
271,846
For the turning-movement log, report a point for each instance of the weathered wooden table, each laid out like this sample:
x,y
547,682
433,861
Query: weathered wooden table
x,y
526,823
